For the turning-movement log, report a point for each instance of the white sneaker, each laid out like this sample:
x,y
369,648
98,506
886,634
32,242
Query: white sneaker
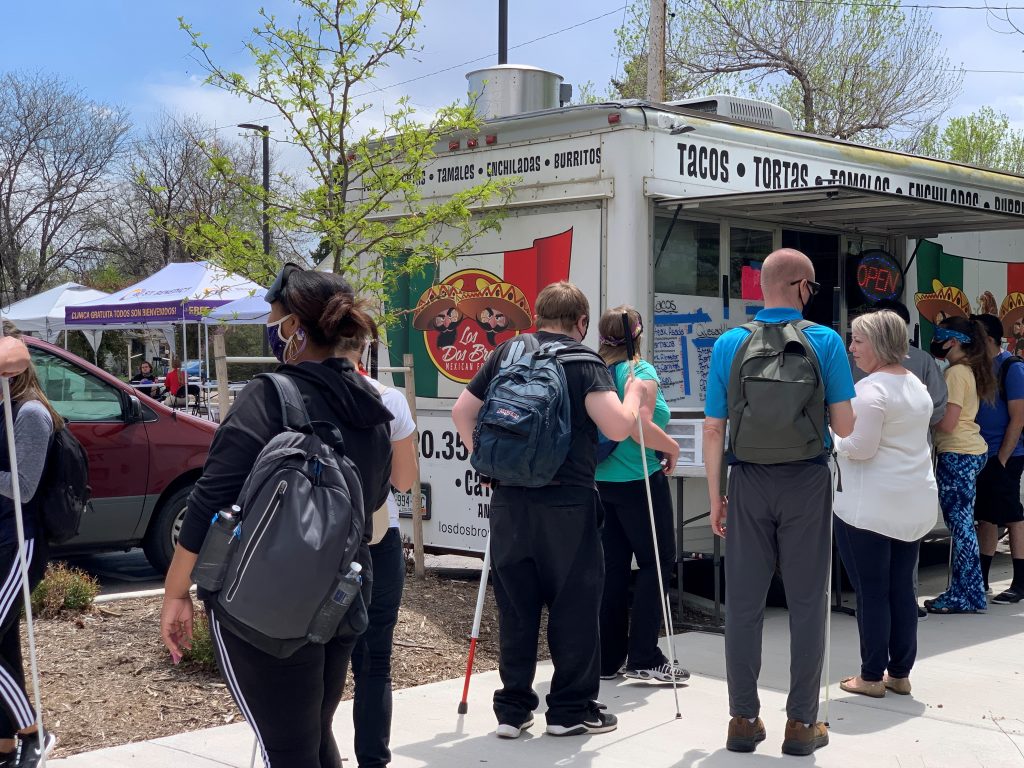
x,y
666,673
509,731
602,722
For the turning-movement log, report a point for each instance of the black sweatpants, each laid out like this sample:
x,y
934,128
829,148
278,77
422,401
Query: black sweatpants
x,y
17,712
546,551
289,703
630,635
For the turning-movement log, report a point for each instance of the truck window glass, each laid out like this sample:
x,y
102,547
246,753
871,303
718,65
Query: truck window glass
x,y
747,248
75,394
688,264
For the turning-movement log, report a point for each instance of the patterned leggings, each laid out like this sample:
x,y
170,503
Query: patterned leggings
x,y
956,476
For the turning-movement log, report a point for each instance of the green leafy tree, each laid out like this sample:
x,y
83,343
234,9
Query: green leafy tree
x,y
361,199
982,138
860,69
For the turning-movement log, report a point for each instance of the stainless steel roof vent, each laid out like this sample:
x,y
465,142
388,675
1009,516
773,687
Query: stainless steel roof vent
x,y
512,89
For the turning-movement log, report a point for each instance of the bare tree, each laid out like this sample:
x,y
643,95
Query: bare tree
x,y
859,69
56,147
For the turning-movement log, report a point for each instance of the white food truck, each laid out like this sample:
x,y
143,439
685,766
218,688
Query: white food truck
x,y
672,208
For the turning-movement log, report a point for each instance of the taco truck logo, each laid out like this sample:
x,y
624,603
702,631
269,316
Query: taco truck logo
x,y
465,317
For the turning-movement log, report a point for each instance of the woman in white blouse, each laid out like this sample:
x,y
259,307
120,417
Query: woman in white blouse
x,y
888,503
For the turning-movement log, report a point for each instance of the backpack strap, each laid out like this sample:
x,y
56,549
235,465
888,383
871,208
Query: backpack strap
x,y
293,409
1004,372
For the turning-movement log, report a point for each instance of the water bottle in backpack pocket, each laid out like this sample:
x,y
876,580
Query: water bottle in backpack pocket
x,y
218,547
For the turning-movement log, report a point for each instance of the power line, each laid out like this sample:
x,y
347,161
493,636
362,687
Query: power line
x,y
492,55
924,6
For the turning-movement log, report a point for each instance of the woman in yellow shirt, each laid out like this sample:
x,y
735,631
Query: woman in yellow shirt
x,y
962,453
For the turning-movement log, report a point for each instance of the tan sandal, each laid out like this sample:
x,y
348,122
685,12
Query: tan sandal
x,y
900,685
875,689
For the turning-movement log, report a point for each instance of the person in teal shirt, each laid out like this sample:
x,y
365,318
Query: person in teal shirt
x,y
629,637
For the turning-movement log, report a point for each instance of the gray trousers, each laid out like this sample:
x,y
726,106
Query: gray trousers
x,y
777,514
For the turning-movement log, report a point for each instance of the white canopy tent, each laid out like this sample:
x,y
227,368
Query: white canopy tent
x,y
43,314
179,293
252,310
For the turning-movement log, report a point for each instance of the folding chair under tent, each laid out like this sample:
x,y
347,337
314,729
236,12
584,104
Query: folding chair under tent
x,y
180,293
43,314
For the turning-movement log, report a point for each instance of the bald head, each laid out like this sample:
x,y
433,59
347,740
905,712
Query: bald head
x,y
780,271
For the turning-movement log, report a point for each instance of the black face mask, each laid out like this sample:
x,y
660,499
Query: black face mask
x,y
938,349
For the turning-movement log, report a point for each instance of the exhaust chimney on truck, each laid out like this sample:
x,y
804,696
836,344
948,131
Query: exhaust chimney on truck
x,y
740,109
512,89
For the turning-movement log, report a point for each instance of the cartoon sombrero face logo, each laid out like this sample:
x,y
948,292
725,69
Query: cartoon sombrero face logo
x,y
1011,315
465,317
943,301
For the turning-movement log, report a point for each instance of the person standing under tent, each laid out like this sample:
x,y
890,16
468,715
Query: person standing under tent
x,y
780,512
963,453
34,424
998,501
371,657
629,635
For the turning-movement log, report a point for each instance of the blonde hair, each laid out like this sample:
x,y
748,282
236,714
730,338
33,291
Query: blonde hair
x,y
886,332
561,305
25,386
610,330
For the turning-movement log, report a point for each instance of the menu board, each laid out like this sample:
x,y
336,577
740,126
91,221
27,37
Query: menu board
x,y
685,330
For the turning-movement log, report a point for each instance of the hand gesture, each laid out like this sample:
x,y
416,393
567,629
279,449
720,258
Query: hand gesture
x,y
719,508
671,457
176,625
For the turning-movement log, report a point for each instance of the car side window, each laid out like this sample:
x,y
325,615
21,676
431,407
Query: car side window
x,y
73,392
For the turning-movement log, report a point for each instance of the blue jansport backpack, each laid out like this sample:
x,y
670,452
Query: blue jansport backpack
x,y
301,528
524,428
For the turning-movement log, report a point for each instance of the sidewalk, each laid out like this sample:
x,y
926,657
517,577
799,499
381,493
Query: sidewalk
x,y
967,710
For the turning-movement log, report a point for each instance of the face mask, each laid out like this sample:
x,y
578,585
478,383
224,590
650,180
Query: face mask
x,y
278,343
938,349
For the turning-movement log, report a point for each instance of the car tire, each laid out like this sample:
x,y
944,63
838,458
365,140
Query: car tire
x,y
162,536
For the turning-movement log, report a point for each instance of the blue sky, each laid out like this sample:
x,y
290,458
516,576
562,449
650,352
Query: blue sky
x,y
131,52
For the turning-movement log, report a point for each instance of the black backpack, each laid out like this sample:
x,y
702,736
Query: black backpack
x,y
1004,371
301,527
524,428
63,493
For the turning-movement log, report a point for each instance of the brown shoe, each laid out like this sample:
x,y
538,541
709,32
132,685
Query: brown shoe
x,y
900,685
873,688
803,740
744,735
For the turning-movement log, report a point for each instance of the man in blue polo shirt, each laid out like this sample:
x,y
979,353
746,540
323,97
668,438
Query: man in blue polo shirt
x,y
778,513
998,500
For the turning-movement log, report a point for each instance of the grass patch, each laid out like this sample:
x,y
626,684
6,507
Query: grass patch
x,y
201,654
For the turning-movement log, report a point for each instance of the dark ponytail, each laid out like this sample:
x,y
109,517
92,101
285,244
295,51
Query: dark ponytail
x,y
976,354
327,308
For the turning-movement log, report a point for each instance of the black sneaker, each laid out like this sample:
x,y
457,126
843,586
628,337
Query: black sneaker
x,y
599,722
29,753
510,731
1009,597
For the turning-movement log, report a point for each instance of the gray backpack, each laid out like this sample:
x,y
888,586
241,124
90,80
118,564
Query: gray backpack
x,y
301,528
776,396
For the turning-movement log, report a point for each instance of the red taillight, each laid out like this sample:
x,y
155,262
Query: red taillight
x,y
614,118
454,145
490,140
472,143
350,156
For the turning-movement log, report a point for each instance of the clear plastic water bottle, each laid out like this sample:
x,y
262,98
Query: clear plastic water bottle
x,y
333,609
219,545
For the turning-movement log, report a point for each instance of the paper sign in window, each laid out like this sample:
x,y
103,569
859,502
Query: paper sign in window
x,y
750,284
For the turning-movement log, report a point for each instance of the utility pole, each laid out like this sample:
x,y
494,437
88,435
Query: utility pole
x,y
656,52
503,31
265,131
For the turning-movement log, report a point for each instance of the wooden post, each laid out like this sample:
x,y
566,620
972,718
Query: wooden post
x,y
417,502
220,364
656,52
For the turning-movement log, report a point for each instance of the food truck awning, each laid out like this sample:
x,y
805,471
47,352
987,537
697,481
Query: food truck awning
x,y
849,209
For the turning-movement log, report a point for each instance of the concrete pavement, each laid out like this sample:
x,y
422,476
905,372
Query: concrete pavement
x,y
967,710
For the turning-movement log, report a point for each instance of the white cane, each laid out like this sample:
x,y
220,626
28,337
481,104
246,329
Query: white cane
x,y
828,620
477,616
26,592
252,760
662,598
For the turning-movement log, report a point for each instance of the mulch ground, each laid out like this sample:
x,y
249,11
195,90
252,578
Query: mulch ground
x,y
107,679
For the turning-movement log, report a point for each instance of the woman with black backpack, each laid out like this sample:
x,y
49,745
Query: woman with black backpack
x,y
289,702
35,422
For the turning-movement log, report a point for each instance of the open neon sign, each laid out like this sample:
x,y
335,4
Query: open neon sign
x,y
879,276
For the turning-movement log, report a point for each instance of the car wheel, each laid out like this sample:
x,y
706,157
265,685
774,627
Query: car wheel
x,y
162,536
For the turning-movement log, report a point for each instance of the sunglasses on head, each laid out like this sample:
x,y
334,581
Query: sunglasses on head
x,y
276,290
811,285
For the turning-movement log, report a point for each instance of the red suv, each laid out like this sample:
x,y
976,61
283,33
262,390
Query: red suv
x,y
144,457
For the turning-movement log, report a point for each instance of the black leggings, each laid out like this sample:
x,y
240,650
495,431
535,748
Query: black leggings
x,y
289,703
16,712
